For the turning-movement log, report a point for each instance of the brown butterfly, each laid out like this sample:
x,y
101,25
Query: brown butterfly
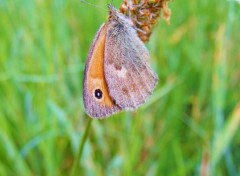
x,y
117,73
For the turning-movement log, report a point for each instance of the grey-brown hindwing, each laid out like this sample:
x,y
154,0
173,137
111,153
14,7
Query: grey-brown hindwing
x,y
128,74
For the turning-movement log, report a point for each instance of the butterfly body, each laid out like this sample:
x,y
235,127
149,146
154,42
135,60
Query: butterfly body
x,y
117,73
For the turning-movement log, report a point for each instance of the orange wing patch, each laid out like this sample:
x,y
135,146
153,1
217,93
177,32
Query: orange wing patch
x,y
95,75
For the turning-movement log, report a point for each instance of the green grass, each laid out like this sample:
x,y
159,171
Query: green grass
x,y
191,120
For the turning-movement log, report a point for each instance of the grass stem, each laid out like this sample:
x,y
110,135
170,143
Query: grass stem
x,y
80,149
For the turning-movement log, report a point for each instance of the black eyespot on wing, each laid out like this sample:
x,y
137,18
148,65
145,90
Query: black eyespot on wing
x,y
98,93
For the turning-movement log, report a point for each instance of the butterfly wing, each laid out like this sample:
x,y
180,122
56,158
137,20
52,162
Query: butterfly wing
x,y
97,101
128,74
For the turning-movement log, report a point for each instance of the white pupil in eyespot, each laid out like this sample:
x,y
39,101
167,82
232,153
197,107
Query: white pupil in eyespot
x,y
98,93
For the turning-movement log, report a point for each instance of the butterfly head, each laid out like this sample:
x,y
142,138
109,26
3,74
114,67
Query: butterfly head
x,y
115,15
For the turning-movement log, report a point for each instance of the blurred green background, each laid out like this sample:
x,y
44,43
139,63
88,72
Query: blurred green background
x,y
189,126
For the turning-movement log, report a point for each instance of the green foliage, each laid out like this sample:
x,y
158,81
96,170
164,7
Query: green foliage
x,y
190,121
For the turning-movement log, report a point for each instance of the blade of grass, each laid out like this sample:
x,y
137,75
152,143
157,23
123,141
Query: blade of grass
x,y
219,93
225,136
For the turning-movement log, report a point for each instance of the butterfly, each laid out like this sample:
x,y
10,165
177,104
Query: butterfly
x,y
117,73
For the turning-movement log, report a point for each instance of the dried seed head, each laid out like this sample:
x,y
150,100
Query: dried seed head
x,y
145,13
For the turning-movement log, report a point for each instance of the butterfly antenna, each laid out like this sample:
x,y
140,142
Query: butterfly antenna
x,y
91,4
